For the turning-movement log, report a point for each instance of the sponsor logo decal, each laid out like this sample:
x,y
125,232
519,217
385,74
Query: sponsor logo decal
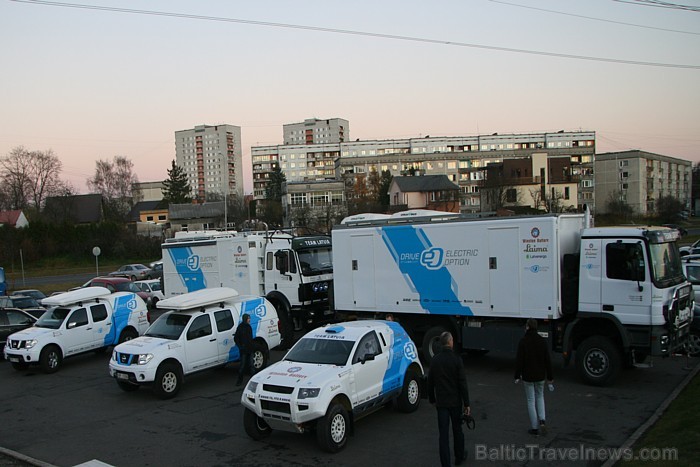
x,y
193,262
260,311
432,258
294,369
409,350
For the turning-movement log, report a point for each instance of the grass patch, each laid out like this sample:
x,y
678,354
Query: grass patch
x,y
678,427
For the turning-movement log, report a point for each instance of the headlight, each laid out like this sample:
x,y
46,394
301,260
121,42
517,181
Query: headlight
x,y
29,344
305,393
144,359
252,386
114,355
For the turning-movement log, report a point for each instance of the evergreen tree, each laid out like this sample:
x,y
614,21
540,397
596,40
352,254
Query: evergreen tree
x,y
176,188
273,190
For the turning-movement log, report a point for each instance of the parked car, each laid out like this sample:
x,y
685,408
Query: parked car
x,y
152,288
693,249
38,295
157,270
330,378
680,229
135,272
117,284
13,320
691,269
26,304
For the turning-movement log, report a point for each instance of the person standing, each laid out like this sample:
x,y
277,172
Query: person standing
x,y
533,365
447,390
244,340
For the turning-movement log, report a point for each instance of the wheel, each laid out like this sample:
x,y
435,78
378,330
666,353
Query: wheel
x,y
286,324
168,381
694,344
332,429
127,334
260,357
133,278
20,366
255,426
127,387
431,343
598,361
50,359
409,399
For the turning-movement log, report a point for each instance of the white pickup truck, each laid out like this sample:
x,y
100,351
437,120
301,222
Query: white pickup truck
x,y
330,378
82,320
195,335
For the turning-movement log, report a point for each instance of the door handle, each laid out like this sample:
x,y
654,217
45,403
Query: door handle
x,y
608,307
89,329
212,340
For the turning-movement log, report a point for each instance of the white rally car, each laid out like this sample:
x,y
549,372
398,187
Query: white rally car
x,y
331,377
196,335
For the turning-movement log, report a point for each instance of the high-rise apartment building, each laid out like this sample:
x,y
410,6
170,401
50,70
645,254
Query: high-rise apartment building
x,y
212,158
315,131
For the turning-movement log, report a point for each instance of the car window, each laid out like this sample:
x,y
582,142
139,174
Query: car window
x,y
25,302
15,318
201,326
78,318
98,312
168,326
323,351
155,286
3,318
127,287
224,320
53,319
369,345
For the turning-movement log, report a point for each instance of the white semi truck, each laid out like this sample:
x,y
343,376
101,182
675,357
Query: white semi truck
x,y
611,296
294,273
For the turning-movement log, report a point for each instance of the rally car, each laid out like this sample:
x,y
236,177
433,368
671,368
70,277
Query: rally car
x,y
330,378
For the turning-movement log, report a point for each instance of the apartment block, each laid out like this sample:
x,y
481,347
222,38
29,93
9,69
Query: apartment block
x,y
315,131
212,158
640,178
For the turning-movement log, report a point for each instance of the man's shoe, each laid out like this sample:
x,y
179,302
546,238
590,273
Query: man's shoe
x,y
543,427
533,431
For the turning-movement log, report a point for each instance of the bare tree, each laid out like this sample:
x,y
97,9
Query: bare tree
x,y
115,181
30,177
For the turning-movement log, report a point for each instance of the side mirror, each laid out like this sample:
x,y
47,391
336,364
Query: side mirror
x,y
71,325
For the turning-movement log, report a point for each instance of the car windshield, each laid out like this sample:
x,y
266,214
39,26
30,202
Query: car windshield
x,y
25,302
139,266
155,286
35,294
168,326
53,319
666,264
315,261
127,287
325,351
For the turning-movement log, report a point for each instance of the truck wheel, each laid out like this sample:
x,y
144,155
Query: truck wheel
x,y
260,356
286,324
255,426
332,429
598,361
50,359
127,387
127,334
694,344
409,399
168,381
20,366
431,343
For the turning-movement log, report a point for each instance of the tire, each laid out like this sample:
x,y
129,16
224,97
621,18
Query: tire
x,y
50,359
20,366
598,361
431,344
286,324
409,399
127,334
694,344
168,381
127,387
332,429
133,278
260,356
255,427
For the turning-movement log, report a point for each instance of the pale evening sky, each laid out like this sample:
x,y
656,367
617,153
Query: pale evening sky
x,y
96,82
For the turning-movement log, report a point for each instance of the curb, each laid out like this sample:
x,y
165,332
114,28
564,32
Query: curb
x,y
639,432
23,458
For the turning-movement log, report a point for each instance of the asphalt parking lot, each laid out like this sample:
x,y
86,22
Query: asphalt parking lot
x,y
79,414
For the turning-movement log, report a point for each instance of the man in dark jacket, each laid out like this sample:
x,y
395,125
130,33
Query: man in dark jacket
x,y
533,365
244,340
447,390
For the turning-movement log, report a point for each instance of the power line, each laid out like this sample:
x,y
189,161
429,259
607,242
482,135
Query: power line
x,y
595,19
359,33
660,4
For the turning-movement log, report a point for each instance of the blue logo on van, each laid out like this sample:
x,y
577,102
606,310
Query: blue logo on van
x,y
193,262
260,311
432,258
409,350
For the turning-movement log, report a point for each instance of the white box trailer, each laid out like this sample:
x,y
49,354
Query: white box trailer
x,y
482,279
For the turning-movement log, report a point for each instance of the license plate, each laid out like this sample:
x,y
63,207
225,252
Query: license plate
x,y
122,376
14,359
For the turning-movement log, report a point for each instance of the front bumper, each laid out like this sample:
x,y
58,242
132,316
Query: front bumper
x,y
20,355
283,411
135,374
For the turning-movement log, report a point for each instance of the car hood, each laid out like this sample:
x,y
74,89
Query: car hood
x,y
145,344
33,333
296,374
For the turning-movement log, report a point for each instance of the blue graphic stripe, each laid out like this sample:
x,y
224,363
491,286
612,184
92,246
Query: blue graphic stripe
x,y
120,318
435,285
257,310
192,278
393,377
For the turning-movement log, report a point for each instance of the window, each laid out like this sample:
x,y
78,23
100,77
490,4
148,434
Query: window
x,y
15,318
224,320
98,312
566,192
369,345
511,195
78,318
201,326
624,261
